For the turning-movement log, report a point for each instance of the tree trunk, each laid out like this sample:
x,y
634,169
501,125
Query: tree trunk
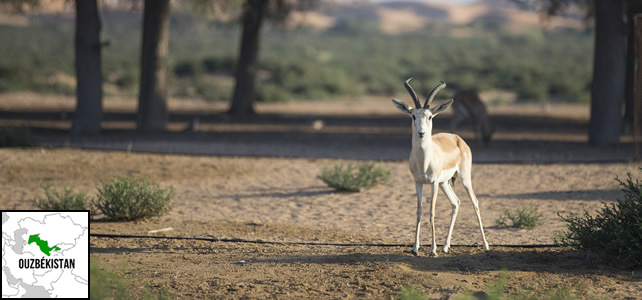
x,y
152,101
633,8
609,73
244,90
627,120
89,91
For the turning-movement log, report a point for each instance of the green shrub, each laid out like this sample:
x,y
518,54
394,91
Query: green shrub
x,y
413,292
127,80
14,77
54,88
350,179
615,231
16,136
213,91
272,93
185,69
65,200
125,199
217,65
526,217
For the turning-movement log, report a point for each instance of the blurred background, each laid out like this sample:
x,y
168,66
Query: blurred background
x,y
79,64
337,49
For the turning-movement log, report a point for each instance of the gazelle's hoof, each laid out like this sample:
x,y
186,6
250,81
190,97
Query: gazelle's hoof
x,y
445,249
433,254
413,252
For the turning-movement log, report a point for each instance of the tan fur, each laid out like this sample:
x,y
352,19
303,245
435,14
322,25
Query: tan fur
x,y
450,146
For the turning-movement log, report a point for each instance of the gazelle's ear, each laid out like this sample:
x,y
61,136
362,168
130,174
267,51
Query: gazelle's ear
x,y
402,107
441,107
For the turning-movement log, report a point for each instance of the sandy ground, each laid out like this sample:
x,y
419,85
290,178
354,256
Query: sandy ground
x,y
287,191
280,200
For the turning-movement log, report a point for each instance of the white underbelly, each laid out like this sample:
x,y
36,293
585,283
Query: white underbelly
x,y
446,175
430,178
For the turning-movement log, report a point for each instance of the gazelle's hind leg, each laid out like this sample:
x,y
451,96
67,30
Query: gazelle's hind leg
x,y
454,203
469,188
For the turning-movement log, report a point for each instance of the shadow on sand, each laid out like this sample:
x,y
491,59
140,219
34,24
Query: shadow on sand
x,y
519,139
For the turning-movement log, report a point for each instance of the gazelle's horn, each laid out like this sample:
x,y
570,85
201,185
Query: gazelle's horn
x,y
412,93
433,93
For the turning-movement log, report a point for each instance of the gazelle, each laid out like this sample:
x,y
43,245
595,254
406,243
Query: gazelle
x,y
468,106
437,160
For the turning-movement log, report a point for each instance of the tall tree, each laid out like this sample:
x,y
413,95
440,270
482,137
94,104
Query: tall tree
x,y
152,101
254,13
89,91
247,66
609,63
609,73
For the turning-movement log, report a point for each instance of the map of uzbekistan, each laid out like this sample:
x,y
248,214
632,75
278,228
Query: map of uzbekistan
x,y
44,246
45,254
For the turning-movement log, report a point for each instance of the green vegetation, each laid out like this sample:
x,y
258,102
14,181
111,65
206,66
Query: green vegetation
x,y
616,230
497,291
126,198
65,200
526,217
44,245
123,199
105,284
108,284
16,136
347,178
413,292
309,64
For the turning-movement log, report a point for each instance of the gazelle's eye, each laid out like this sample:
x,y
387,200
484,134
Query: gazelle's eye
x,y
413,117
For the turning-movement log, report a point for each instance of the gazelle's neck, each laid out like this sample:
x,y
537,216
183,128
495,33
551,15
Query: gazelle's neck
x,y
422,147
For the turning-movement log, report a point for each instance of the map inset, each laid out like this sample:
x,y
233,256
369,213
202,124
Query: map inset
x,y
45,254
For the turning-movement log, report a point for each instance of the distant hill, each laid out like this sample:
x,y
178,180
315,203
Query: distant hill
x,y
390,17
406,16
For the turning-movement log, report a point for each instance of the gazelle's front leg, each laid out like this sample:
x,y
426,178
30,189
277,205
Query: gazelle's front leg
x,y
420,190
433,202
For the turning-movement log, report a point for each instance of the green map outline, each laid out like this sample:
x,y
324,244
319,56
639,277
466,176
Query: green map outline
x,y
44,245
